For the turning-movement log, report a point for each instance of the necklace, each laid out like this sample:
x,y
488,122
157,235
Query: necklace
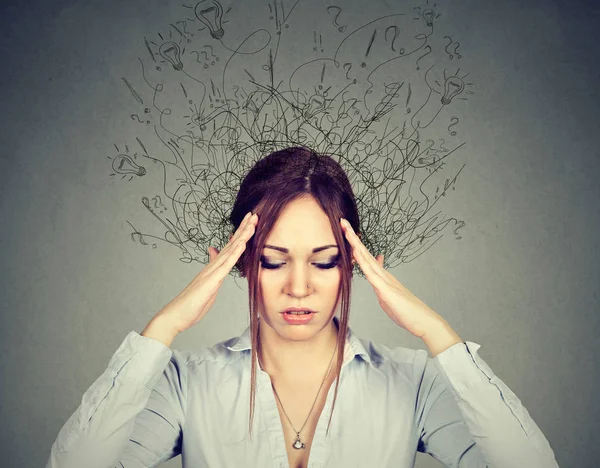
x,y
298,444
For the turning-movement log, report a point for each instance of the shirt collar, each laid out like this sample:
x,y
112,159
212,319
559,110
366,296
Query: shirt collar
x,y
353,346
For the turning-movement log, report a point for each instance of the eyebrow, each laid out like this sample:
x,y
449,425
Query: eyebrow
x,y
315,250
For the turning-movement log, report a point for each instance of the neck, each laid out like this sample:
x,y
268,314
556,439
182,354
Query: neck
x,y
281,357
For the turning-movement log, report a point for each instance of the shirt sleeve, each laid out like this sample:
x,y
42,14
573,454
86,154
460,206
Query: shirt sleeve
x,y
469,418
132,415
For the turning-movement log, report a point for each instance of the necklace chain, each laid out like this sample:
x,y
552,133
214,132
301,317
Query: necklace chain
x,y
298,443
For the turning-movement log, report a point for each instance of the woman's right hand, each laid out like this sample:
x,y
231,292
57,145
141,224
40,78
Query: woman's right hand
x,y
192,304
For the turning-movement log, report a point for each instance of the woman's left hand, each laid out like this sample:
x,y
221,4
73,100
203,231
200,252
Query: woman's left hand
x,y
403,307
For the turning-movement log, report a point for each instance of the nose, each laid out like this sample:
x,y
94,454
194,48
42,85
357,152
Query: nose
x,y
298,281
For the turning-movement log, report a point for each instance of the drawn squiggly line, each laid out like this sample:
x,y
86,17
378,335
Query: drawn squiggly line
x,y
426,53
275,105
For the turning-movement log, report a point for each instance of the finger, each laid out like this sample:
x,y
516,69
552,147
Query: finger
x,y
233,250
360,252
240,232
371,267
243,225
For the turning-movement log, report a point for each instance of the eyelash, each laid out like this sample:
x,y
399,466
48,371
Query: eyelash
x,y
322,266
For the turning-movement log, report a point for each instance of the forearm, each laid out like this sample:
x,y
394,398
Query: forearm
x,y
498,423
96,434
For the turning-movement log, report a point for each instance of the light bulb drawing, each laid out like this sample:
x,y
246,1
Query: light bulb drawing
x,y
428,16
210,13
171,52
315,105
123,164
452,88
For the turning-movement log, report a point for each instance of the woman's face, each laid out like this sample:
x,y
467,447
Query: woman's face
x,y
283,276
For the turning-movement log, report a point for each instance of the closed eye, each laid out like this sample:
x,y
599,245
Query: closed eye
x,y
322,266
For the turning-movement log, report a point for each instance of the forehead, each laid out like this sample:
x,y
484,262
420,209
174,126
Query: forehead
x,y
301,226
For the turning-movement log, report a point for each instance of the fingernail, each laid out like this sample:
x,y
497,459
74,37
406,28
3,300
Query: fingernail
x,y
248,215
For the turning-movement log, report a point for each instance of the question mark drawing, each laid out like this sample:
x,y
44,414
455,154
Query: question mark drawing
x,y
146,203
454,121
337,15
460,225
140,237
135,116
396,34
456,51
347,69
197,55
426,53
157,200
430,146
211,52
448,45
443,149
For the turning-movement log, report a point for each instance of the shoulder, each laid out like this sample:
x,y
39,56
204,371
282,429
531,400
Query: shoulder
x,y
210,355
408,362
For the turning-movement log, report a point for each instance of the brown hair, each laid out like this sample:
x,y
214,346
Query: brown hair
x,y
272,183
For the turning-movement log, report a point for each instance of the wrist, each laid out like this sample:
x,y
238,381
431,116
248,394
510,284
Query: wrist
x,y
439,339
160,330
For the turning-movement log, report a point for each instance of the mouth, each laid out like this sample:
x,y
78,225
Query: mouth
x,y
298,317
297,311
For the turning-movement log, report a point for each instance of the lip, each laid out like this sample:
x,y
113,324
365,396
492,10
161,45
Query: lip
x,y
298,319
297,309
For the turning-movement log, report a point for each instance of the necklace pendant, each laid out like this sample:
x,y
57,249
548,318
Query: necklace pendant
x,y
298,444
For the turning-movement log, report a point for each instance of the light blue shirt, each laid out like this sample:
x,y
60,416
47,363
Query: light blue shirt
x,y
153,403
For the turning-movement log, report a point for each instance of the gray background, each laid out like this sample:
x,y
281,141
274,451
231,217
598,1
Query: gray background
x,y
522,281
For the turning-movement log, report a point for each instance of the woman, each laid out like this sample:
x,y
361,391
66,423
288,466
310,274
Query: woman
x,y
297,251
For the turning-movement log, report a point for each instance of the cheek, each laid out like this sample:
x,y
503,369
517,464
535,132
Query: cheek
x,y
333,282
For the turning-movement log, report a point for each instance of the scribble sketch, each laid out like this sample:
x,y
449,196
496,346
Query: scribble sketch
x,y
382,97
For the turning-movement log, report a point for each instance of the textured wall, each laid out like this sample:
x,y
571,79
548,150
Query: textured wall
x,y
514,267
